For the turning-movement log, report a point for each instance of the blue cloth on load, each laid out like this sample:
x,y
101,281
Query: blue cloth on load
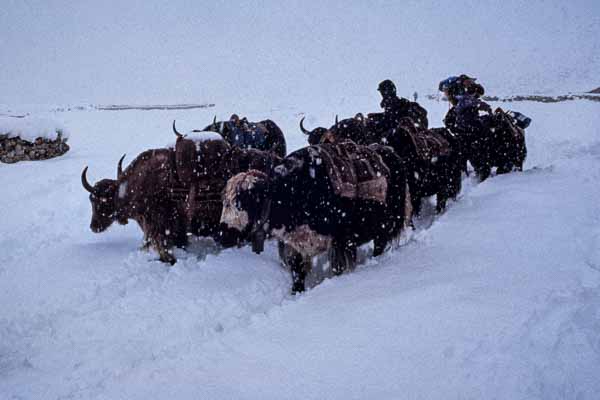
x,y
248,136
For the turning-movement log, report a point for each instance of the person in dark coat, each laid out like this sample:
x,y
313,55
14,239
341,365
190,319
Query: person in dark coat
x,y
396,108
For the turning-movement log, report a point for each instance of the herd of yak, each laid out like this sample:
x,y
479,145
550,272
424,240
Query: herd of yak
x,y
357,181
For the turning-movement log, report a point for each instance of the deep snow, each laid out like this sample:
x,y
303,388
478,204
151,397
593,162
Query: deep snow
x,y
497,298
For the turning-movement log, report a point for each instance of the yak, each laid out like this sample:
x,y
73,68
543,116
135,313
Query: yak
x,y
326,197
355,129
173,193
496,140
141,193
433,156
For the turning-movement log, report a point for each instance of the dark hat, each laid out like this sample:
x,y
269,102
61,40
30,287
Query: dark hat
x,y
387,86
447,83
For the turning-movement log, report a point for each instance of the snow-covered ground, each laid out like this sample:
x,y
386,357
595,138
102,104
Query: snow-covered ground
x,y
497,298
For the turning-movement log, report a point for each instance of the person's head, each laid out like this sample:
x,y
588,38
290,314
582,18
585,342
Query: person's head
x,y
387,88
452,87
472,87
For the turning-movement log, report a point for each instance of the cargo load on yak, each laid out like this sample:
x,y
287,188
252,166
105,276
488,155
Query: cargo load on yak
x,y
263,135
204,162
354,171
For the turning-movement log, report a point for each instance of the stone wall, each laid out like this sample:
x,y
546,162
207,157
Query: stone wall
x,y
15,149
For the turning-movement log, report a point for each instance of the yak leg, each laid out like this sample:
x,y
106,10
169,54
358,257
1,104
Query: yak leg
x,y
166,256
159,243
441,199
456,184
146,244
504,169
483,172
190,206
299,266
519,166
342,256
163,235
379,245
380,242
416,205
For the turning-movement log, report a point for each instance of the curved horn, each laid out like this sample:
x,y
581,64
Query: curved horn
x,y
85,182
175,130
120,167
304,130
336,120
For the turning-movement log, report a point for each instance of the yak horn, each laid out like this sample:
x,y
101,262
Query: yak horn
x,y
304,130
175,130
336,120
215,121
84,181
120,167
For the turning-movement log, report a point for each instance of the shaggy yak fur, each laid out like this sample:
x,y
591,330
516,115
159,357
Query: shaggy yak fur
x,y
174,193
493,141
322,198
432,156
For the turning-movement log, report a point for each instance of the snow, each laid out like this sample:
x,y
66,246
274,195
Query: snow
x,y
198,137
497,298
122,190
30,128
203,136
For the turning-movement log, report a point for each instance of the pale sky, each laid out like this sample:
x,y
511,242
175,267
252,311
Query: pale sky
x,y
67,52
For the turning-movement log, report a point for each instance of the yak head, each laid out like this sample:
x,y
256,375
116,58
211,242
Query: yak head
x,y
214,126
315,136
255,202
103,195
349,128
244,198
247,195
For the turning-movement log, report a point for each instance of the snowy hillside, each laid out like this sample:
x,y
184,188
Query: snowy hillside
x,y
497,298
268,52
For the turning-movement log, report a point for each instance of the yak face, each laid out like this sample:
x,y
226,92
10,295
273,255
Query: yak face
x,y
102,197
314,136
103,205
243,200
350,128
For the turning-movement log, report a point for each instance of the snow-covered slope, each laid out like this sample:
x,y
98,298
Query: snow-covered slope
x,y
497,298
267,52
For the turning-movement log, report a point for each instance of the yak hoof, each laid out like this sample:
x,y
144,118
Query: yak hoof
x,y
167,257
297,288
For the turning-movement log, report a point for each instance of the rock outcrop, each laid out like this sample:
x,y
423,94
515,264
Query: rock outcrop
x,y
14,149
